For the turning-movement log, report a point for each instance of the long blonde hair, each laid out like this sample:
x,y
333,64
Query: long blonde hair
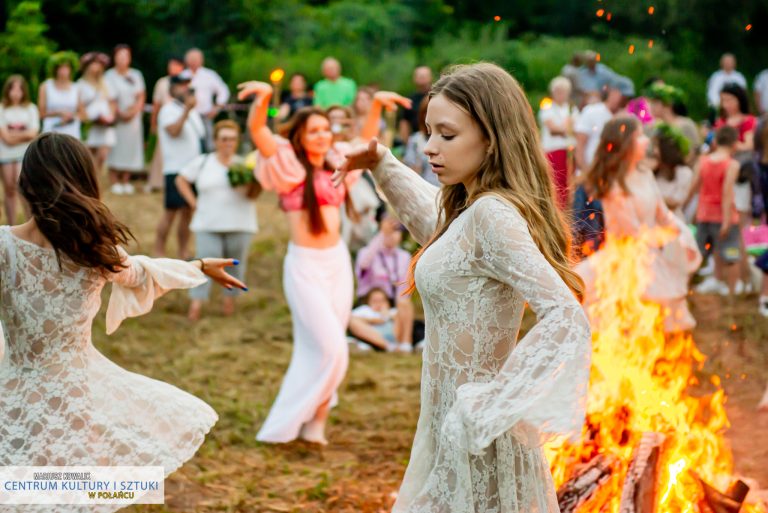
x,y
514,168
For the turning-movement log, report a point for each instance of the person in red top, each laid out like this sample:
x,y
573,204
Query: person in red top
x,y
717,221
317,274
734,111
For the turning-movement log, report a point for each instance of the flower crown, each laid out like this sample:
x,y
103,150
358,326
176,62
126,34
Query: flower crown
x,y
60,58
667,131
665,93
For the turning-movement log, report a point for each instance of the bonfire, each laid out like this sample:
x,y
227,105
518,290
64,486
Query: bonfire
x,y
654,437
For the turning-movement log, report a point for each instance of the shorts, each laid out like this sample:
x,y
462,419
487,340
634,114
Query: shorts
x,y
172,196
708,239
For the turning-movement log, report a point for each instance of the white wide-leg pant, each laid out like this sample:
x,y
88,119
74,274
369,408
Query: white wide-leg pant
x,y
318,285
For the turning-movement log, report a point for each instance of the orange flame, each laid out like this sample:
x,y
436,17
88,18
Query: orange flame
x,y
600,13
651,10
638,384
277,75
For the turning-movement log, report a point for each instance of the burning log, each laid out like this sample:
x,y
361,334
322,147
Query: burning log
x,y
639,492
586,482
715,501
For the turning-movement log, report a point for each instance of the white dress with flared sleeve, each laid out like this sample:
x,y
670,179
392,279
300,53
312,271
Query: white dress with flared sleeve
x,y
488,400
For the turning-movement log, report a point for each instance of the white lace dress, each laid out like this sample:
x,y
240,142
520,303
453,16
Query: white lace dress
x,y
487,400
64,403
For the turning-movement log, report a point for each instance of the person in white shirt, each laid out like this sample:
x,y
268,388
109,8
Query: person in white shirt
x,y
180,134
592,119
224,219
161,94
19,124
556,119
761,91
727,74
210,90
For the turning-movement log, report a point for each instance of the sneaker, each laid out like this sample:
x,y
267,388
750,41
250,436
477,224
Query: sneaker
x,y
738,289
709,269
418,346
117,189
711,285
404,347
762,306
128,189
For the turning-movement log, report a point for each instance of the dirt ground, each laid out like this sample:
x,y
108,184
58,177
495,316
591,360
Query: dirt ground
x,y
236,365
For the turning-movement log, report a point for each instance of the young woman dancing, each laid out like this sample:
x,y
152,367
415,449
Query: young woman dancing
x,y
63,402
317,273
634,207
494,240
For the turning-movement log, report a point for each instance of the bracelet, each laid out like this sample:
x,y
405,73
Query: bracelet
x,y
202,264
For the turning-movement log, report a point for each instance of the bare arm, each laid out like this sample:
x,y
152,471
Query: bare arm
x,y
185,189
581,145
41,102
557,128
381,100
730,180
261,135
174,129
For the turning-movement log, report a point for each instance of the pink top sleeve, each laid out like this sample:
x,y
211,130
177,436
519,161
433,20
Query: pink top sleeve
x,y
282,172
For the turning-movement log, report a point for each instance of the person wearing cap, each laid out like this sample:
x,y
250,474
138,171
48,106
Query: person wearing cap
x,y
98,107
161,94
181,134
127,157
589,125
210,91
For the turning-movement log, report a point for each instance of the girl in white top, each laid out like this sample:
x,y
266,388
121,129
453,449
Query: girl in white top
x,y
58,98
128,154
494,241
19,124
557,119
673,177
224,219
62,401
98,106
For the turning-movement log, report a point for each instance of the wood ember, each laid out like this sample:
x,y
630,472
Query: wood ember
x,y
586,483
715,501
639,492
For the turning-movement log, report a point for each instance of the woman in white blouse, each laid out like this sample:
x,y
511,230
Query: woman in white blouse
x,y
19,124
224,219
98,107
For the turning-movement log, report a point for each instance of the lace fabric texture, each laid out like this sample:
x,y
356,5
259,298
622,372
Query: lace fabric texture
x,y
64,403
488,401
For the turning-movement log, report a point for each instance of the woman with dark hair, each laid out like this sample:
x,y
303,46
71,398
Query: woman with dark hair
x,y
19,124
58,98
128,154
295,98
634,207
673,177
317,276
63,402
734,111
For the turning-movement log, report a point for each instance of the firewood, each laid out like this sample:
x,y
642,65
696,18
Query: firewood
x,y
586,482
639,492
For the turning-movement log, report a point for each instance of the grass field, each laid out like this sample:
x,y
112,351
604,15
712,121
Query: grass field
x,y
236,365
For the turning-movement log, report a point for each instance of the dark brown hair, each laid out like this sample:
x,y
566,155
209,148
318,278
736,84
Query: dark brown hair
x,y
293,131
7,90
613,155
726,135
669,156
59,183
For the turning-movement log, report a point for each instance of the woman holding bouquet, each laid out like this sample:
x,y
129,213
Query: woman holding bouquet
x,y
317,276
224,218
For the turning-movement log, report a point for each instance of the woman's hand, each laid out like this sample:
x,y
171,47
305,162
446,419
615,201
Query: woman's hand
x,y
390,100
253,87
362,157
214,268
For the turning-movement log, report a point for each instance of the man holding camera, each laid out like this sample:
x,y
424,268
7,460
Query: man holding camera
x,y
181,135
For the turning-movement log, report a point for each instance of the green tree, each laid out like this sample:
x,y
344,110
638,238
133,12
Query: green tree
x,y
25,48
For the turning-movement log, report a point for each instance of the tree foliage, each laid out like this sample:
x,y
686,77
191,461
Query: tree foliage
x,y
25,48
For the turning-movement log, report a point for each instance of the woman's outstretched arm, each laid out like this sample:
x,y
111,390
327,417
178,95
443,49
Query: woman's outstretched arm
x,y
261,135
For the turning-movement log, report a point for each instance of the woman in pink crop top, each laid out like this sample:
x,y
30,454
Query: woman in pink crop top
x,y
317,270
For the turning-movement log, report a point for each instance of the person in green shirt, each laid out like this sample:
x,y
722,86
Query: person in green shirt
x,y
334,89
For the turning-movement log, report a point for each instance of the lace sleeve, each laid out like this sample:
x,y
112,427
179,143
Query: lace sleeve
x,y
135,288
413,198
541,390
